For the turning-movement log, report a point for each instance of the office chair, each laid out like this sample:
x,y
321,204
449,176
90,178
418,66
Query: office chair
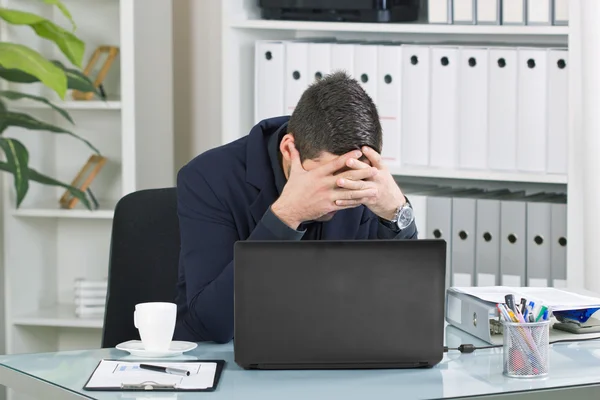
x,y
144,256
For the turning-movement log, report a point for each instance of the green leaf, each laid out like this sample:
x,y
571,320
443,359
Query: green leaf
x,y
20,57
19,96
17,158
63,9
46,180
75,79
28,122
70,45
3,122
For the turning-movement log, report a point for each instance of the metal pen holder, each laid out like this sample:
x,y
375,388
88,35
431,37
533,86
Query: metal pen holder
x,y
526,349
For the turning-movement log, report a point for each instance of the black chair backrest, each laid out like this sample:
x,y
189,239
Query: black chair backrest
x,y
144,256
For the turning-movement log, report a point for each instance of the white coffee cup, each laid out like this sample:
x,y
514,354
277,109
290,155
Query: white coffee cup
x,y
155,322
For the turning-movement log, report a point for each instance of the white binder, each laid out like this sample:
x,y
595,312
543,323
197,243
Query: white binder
x,y
560,12
514,12
342,58
463,12
558,111
539,214
443,112
532,125
439,11
415,104
558,240
365,68
513,215
539,12
502,109
319,61
269,79
389,101
473,108
488,12
296,73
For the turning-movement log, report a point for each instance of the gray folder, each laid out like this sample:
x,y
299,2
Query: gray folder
x,y
487,240
487,243
464,228
558,244
439,221
539,216
463,242
513,215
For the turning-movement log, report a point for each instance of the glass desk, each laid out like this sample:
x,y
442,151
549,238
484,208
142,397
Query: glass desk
x,y
574,372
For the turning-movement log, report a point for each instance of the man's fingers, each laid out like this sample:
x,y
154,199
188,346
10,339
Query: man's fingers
x,y
354,194
357,164
348,203
358,174
373,156
357,184
339,162
295,158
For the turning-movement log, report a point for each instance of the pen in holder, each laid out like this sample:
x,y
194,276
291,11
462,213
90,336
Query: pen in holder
x,y
526,349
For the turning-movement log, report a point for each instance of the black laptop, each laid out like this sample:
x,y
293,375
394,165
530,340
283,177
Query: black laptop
x,y
339,304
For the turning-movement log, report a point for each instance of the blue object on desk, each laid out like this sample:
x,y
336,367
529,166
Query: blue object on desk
x,y
580,316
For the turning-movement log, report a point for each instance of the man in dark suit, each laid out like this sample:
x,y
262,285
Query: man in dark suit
x,y
317,175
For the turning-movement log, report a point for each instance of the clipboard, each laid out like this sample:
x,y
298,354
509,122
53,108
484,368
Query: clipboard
x,y
149,385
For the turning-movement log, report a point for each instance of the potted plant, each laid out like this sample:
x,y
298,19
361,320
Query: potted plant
x,y
22,65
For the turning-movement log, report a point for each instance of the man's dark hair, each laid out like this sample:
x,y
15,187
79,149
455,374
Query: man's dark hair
x,y
335,115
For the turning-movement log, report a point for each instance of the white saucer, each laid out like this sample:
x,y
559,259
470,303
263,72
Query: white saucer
x,y
136,348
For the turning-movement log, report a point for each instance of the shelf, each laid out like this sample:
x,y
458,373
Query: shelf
x,y
422,28
60,316
479,175
110,104
51,210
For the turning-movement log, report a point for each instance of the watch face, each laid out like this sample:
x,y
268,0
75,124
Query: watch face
x,y
406,217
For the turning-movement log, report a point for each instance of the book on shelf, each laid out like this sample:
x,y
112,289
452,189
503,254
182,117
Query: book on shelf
x,y
90,297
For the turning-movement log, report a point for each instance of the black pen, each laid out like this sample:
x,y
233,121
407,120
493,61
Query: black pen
x,y
167,370
510,302
523,305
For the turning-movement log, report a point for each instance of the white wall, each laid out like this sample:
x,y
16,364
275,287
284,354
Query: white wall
x,y
197,68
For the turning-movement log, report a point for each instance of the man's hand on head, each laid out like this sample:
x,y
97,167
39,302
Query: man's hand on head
x,y
310,195
388,196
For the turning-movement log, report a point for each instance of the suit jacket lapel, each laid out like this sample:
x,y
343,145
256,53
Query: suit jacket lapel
x,y
259,172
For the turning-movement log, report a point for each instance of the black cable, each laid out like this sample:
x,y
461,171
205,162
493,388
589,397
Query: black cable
x,y
469,348
574,340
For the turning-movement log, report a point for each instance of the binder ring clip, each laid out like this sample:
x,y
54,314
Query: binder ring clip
x,y
147,385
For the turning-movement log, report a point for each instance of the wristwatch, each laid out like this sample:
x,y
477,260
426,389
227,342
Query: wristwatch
x,y
403,217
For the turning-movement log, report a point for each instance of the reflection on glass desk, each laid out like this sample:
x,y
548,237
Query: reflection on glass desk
x,y
574,372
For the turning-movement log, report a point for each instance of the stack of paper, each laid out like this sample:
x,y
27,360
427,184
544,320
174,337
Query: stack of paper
x,y
90,297
554,299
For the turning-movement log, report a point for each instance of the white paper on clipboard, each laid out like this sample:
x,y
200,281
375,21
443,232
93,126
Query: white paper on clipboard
x,y
114,374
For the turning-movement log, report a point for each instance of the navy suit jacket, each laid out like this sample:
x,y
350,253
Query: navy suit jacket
x,y
224,195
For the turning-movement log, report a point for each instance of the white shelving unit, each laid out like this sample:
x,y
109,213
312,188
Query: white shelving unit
x,y
46,247
242,26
